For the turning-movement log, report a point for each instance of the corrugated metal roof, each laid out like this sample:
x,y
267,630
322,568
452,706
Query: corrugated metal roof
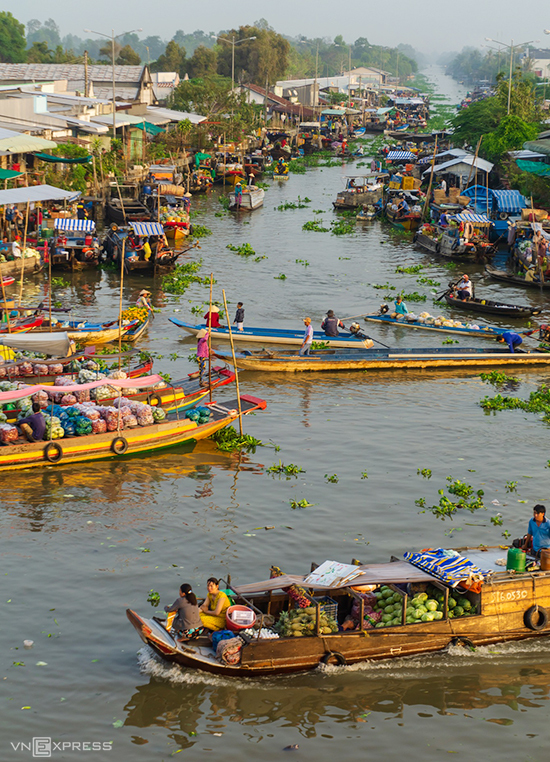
x,y
36,193
17,142
468,161
541,146
45,71
176,116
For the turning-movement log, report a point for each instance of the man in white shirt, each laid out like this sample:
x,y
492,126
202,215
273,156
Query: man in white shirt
x,y
308,338
464,288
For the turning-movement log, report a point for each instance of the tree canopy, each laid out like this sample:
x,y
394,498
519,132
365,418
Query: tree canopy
x,y
12,39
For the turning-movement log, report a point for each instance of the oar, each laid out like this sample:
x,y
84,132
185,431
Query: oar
x,y
447,291
352,317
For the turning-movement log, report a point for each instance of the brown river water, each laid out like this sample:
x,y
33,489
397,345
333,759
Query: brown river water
x,y
80,544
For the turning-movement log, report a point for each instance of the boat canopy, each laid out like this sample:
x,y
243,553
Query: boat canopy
x,y
506,201
36,193
85,226
469,217
401,156
448,566
375,574
46,343
533,167
147,228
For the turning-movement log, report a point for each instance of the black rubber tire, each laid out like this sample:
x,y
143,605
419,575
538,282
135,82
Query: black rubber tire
x,y
536,618
438,247
415,237
462,641
340,658
119,445
154,399
50,449
503,216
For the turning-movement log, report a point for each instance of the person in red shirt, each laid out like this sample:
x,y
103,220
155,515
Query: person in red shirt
x,y
212,318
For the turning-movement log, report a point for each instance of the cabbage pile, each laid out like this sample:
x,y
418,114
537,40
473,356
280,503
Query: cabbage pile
x,y
199,414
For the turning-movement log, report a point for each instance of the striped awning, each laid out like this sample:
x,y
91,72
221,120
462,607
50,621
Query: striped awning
x,y
510,201
81,226
400,156
468,217
147,228
450,569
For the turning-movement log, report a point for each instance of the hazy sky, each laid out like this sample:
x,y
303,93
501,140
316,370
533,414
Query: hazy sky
x,y
428,25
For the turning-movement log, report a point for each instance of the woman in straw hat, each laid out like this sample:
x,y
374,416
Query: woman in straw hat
x,y
212,317
203,353
144,300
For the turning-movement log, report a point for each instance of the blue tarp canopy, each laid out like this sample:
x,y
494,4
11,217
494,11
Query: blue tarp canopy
x,y
401,156
510,201
447,566
534,167
85,226
147,228
469,217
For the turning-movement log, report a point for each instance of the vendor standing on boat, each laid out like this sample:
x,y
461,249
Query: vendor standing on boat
x,y
203,353
331,324
308,338
512,339
538,531
212,611
464,288
400,307
212,317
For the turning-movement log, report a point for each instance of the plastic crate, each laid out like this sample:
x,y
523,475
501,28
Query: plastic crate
x,y
328,606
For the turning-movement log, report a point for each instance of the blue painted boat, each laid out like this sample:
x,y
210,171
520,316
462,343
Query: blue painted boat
x,y
438,358
346,339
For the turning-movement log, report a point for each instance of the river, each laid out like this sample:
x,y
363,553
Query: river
x,y
83,543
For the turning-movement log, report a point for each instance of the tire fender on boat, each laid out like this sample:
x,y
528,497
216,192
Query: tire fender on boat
x,y
154,399
536,618
462,641
53,452
415,237
339,658
119,445
438,247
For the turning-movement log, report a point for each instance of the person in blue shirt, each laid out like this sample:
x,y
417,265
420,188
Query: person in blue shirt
x,y
512,339
538,531
400,306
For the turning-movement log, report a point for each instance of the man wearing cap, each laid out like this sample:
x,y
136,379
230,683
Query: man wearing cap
x,y
145,300
331,324
308,338
203,352
212,317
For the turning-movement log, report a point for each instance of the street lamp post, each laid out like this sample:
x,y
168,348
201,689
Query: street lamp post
x,y
113,37
511,46
232,42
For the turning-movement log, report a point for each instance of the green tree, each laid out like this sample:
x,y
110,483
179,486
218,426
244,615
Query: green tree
x,y
203,63
47,32
12,39
480,118
510,135
173,59
258,60
39,53
128,57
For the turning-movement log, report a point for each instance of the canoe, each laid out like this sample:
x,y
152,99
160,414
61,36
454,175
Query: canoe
x,y
136,332
487,306
22,326
450,248
508,277
507,606
7,280
283,176
251,198
439,358
179,395
136,441
484,331
13,267
276,335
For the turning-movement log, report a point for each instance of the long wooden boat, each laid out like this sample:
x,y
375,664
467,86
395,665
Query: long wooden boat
x,y
129,210
87,333
11,371
508,277
136,332
277,335
408,222
179,395
22,326
252,198
13,268
487,306
439,358
129,442
449,247
508,606
281,175
484,331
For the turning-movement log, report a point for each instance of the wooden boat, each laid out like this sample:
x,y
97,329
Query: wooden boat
x,y
129,442
7,280
136,331
13,268
484,331
11,371
86,333
439,358
450,247
24,325
179,395
408,222
276,335
280,175
361,190
487,306
129,210
508,277
74,245
252,198
507,606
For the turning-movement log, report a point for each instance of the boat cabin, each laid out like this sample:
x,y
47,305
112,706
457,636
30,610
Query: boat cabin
x,y
361,189
74,245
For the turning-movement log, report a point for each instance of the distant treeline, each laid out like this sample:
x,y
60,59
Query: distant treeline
x,y
472,64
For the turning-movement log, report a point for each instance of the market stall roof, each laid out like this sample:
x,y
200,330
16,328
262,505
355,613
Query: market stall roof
x,y
510,201
408,101
64,223
62,160
17,142
539,146
453,166
526,155
147,228
372,574
176,116
36,193
385,110
122,119
333,112
469,217
534,167
57,344
401,156
9,174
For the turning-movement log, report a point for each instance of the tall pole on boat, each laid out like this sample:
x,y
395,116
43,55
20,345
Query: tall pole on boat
x,y
23,254
120,305
234,365
6,310
210,339
426,202
50,286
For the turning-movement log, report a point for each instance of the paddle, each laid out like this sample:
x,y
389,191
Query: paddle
x,y
447,290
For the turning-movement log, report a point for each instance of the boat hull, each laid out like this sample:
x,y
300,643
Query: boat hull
x,y
507,277
483,331
30,264
490,307
407,222
446,249
250,200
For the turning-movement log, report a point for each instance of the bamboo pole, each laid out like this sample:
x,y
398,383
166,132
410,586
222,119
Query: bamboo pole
x,y
23,256
50,286
120,305
234,365
6,310
121,201
473,164
210,339
426,202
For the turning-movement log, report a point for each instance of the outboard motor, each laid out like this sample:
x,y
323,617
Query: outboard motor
x,y
355,329
383,309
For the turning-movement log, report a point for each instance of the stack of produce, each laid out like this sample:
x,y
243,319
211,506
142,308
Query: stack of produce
x,y
299,623
199,414
135,313
389,605
8,434
54,429
173,216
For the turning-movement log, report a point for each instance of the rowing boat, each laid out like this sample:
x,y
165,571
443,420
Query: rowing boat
x,y
111,445
86,333
439,358
339,622
484,331
507,277
277,335
22,326
487,306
